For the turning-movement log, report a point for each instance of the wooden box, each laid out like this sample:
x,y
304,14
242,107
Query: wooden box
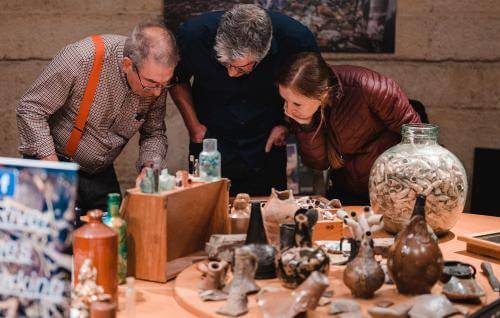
x,y
165,226
485,243
328,230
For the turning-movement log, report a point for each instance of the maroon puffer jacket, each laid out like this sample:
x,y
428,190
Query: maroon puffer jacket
x,y
363,121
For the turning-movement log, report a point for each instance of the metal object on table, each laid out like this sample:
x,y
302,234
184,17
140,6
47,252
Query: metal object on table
x,y
488,271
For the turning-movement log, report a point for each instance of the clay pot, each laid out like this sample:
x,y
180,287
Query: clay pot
x,y
279,209
283,304
99,243
297,263
364,275
266,260
415,261
304,223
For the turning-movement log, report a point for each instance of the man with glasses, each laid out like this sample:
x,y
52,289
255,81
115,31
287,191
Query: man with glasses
x,y
232,58
92,98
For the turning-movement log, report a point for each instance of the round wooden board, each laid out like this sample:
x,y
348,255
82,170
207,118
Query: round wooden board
x,y
186,294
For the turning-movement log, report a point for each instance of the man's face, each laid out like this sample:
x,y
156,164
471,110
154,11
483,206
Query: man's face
x,y
148,80
240,67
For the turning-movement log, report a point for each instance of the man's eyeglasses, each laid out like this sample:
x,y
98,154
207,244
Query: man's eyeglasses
x,y
157,86
244,69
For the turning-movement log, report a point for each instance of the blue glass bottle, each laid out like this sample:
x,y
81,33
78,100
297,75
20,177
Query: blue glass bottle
x,y
210,161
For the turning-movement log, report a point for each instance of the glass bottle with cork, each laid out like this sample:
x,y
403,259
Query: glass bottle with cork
x,y
115,222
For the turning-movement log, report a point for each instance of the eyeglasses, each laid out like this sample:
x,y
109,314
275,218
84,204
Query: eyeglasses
x,y
241,69
157,86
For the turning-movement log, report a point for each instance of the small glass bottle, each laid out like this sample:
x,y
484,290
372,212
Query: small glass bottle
x,y
119,225
130,298
210,161
166,181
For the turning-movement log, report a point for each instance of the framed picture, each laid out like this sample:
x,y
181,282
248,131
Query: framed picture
x,y
352,26
37,203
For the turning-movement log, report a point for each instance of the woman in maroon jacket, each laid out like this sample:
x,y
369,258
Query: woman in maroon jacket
x,y
344,117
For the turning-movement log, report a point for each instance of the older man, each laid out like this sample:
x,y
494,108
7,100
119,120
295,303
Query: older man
x,y
233,58
92,98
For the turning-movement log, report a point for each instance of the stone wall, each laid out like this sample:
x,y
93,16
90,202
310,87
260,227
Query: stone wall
x,y
447,56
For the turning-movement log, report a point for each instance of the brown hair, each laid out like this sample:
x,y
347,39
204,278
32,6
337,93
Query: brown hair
x,y
308,74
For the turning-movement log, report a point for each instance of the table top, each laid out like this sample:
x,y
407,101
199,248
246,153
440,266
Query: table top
x,y
157,300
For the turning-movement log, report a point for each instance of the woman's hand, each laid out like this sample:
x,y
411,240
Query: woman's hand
x,y
277,137
300,120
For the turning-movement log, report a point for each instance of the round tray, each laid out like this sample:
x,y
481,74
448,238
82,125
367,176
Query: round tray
x,y
186,294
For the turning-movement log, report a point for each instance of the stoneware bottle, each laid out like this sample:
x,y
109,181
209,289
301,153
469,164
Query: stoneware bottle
x,y
99,243
415,261
364,275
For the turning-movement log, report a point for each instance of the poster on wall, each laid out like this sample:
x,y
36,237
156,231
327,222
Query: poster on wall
x,y
349,26
37,201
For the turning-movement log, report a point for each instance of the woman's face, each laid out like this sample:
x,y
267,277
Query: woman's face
x,y
297,106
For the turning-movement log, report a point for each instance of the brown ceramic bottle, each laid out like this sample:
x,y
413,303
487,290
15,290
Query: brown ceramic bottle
x,y
415,261
99,243
364,275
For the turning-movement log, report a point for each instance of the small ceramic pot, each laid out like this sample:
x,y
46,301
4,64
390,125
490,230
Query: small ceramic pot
x,y
296,264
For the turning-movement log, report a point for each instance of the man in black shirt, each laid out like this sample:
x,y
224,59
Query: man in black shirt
x,y
233,58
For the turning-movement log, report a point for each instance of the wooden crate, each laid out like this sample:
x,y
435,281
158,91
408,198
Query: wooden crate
x,y
165,226
328,230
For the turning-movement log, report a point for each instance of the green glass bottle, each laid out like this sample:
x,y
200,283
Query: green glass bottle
x,y
119,225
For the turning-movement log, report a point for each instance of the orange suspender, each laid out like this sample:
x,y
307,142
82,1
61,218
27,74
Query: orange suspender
x,y
87,99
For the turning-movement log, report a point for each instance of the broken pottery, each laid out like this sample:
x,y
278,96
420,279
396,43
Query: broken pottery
x,y
344,308
462,289
364,275
266,260
297,263
279,209
304,223
428,306
283,304
244,268
287,236
214,276
415,263
221,247
236,304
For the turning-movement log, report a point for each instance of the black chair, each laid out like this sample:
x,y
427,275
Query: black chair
x,y
486,173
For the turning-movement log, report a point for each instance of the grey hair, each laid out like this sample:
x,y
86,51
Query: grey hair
x,y
244,31
152,40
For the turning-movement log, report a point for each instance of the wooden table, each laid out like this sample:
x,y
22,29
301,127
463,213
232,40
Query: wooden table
x,y
157,300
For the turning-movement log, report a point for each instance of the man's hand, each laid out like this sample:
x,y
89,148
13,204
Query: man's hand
x,y
197,133
277,137
52,157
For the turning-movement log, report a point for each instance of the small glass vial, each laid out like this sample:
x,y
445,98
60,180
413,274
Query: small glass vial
x,y
130,298
166,181
210,161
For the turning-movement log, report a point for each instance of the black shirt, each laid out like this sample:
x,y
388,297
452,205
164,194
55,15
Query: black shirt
x,y
240,111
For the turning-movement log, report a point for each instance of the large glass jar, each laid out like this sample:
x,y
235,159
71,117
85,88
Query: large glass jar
x,y
210,161
418,165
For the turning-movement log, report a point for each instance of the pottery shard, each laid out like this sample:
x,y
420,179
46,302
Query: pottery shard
x,y
339,306
428,306
221,246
